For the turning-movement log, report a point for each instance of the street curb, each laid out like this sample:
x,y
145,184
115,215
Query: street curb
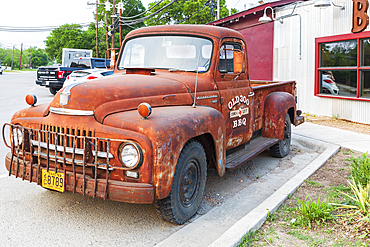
x,y
254,220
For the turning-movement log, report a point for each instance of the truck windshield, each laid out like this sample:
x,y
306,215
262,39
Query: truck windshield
x,y
81,63
167,52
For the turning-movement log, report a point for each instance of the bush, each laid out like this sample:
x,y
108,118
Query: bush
x,y
360,169
311,211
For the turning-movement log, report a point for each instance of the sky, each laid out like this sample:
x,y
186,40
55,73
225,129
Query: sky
x,y
41,13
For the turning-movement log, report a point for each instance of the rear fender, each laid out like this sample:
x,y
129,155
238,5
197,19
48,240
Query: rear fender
x,y
277,105
169,129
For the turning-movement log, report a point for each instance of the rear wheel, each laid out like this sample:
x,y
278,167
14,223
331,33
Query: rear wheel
x,y
53,90
282,148
187,186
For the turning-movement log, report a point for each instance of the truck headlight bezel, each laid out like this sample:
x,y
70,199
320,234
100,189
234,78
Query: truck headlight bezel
x,y
130,155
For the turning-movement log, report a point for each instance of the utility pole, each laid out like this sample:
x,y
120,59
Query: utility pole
x,y
120,28
113,19
97,30
20,61
30,58
113,53
106,31
97,26
218,9
13,57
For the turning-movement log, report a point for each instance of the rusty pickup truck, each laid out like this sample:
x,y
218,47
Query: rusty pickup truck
x,y
180,102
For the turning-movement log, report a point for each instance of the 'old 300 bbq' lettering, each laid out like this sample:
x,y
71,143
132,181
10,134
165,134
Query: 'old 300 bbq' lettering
x,y
236,100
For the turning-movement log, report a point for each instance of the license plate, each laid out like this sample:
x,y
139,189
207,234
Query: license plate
x,y
47,83
52,180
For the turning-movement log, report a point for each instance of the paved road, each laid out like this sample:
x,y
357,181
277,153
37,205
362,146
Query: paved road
x,y
33,216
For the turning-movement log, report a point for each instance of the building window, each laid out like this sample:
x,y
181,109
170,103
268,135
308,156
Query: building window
x,y
343,66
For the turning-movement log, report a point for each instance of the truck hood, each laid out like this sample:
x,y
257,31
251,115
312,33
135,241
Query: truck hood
x,y
121,92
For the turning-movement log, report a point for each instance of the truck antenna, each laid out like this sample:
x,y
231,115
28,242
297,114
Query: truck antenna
x,y
196,82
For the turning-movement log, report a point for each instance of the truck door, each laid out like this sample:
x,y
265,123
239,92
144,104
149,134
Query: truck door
x,y
236,93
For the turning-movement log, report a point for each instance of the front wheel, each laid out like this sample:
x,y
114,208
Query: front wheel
x,y
53,90
187,187
282,148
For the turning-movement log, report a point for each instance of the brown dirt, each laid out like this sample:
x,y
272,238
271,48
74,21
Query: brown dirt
x,y
278,230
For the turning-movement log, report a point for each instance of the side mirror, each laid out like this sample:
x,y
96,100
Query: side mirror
x,y
238,61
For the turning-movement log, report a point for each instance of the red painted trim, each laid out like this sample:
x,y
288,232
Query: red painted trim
x,y
338,68
341,97
317,63
342,37
252,11
358,68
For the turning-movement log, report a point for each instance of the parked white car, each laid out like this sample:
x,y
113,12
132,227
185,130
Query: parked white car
x,y
328,85
79,76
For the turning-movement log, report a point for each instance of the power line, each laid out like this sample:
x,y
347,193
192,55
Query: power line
x,y
40,29
187,18
142,19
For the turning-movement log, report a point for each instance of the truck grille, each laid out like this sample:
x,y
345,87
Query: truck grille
x,y
61,149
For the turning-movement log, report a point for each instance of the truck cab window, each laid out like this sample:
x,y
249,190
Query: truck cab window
x,y
226,62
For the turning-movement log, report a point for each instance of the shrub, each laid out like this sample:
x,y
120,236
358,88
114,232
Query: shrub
x,y
311,211
360,169
359,202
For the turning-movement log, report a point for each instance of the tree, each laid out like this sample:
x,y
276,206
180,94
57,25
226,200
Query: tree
x,y
132,11
65,36
185,12
73,36
39,57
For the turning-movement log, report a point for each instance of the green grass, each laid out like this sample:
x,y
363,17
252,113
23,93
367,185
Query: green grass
x,y
313,211
248,239
311,183
334,193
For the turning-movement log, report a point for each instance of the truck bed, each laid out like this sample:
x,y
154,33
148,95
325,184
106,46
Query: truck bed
x,y
256,85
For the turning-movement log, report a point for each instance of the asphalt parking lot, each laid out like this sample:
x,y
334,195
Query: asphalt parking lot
x,y
31,215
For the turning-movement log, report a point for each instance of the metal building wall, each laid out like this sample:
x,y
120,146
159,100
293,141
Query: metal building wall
x,y
316,22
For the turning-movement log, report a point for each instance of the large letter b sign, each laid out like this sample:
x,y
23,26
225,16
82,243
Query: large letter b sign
x,y
360,17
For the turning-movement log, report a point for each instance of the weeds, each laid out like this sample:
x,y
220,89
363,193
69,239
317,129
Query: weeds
x,y
311,211
248,239
311,183
270,216
360,169
359,203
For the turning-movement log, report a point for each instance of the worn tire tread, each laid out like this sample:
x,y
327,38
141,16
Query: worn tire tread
x,y
165,207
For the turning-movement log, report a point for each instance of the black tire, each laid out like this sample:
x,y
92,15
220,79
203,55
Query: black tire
x,y
282,148
188,185
53,90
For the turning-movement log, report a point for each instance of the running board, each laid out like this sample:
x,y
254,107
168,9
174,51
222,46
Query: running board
x,y
254,148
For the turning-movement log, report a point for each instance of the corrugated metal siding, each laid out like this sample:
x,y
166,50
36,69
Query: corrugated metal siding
x,y
316,23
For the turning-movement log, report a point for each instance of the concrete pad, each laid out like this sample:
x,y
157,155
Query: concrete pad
x,y
344,138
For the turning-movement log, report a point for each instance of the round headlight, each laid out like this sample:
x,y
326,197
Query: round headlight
x,y
130,155
18,136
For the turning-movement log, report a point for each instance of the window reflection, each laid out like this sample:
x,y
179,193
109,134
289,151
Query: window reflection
x,y
342,53
365,56
365,81
339,82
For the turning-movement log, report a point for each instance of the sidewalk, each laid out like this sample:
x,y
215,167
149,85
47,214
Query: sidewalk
x,y
327,139
343,138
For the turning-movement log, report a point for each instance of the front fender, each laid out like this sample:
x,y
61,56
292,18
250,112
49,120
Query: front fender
x,y
277,105
33,111
169,128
